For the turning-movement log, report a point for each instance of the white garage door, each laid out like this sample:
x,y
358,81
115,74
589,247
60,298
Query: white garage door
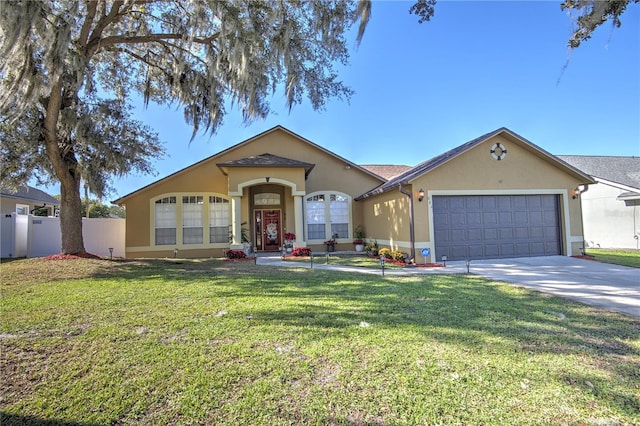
x,y
496,226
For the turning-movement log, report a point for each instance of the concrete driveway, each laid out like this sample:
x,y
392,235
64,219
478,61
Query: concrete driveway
x,y
611,287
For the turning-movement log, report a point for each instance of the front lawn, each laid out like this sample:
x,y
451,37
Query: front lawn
x,y
618,257
215,342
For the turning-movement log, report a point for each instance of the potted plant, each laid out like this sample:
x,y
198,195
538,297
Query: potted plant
x,y
289,238
331,243
358,238
372,248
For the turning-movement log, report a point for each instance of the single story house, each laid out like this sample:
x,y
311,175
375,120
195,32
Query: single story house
x,y
27,200
498,195
610,209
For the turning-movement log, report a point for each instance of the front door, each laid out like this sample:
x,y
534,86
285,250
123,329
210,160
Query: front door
x,y
267,228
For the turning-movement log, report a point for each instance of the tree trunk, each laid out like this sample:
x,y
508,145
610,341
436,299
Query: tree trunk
x,y
65,166
71,215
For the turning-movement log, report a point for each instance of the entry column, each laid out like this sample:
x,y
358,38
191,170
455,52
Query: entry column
x,y
299,222
236,223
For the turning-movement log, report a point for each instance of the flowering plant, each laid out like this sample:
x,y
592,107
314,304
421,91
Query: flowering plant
x,y
235,254
290,236
332,240
302,251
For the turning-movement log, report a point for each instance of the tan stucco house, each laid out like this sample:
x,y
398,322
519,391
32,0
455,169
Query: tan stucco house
x,y
498,195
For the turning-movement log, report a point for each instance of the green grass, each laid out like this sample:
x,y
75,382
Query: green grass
x,y
618,257
215,342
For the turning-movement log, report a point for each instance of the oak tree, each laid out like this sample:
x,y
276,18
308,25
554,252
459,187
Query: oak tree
x,y
69,67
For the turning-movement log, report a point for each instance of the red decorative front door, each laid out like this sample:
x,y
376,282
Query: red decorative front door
x,y
268,229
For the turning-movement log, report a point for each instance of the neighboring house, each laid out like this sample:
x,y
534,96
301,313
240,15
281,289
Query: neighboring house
x,y
26,200
610,209
496,196
15,208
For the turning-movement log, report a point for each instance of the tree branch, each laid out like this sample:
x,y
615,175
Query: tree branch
x,y
83,37
111,40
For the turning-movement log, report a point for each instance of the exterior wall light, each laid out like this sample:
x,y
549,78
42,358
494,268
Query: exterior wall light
x,y
575,193
421,195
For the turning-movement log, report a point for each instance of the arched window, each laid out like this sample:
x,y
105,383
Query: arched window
x,y
328,214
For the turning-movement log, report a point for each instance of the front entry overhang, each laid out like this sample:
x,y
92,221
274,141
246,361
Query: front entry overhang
x,y
260,170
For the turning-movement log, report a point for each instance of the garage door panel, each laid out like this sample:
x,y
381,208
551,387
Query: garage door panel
x,y
470,202
535,218
457,203
458,252
489,218
505,218
533,202
489,202
459,234
440,220
474,218
474,234
521,217
476,227
536,232
490,234
476,251
507,250
506,233
491,250
522,233
519,202
457,219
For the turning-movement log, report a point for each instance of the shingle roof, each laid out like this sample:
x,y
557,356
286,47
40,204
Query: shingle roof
x,y
266,160
29,193
387,171
621,170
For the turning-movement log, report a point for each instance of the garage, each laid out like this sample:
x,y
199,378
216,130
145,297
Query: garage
x,y
496,226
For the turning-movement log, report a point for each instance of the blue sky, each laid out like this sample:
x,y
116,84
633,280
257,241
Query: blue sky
x,y
422,89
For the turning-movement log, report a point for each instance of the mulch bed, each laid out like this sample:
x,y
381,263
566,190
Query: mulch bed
x,y
585,256
62,256
428,265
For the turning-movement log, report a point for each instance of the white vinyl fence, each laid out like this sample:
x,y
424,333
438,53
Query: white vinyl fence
x,y
35,236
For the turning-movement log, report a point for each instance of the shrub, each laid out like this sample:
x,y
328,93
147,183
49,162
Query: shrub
x,y
235,254
302,251
397,255
385,252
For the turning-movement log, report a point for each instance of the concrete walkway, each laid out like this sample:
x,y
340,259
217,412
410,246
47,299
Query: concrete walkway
x,y
611,287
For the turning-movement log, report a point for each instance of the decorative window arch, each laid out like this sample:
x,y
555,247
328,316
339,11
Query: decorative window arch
x,y
180,219
327,213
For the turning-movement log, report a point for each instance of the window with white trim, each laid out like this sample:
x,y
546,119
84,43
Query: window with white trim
x,y
327,214
219,220
192,219
22,209
339,213
315,209
165,221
